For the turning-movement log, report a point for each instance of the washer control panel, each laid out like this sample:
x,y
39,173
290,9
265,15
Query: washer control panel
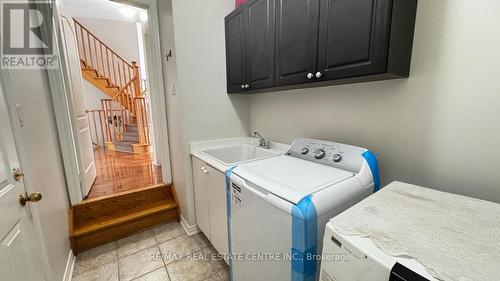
x,y
319,153
338,155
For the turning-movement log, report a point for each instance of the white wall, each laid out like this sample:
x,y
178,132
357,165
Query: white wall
x,y
93,96
439,128
201,108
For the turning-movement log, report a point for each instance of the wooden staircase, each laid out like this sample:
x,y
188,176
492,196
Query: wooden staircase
x,y
100,221
120,80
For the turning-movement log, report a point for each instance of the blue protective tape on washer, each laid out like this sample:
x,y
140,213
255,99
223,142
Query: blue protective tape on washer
x,y
304,240
228,210
371,159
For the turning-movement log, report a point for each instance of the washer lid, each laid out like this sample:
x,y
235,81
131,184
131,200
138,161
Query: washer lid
x,y
290,178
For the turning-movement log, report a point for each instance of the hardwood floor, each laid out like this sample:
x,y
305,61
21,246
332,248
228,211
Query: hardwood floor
x,y
119,172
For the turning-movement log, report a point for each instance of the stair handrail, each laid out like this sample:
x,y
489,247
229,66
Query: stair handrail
x,y
123,89
104,44
129,95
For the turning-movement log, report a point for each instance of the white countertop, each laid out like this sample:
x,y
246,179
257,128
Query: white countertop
x,y
196,149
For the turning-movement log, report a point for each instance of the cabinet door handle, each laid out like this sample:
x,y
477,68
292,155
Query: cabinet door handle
x,y
310,75
243,86
204,170
247,86
319,74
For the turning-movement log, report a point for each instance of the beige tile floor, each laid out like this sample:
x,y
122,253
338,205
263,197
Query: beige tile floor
x,y
164,253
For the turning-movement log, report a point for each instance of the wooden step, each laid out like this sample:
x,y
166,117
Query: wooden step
x,y
103,220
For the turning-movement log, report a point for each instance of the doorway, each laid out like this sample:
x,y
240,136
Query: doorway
x,y
123,145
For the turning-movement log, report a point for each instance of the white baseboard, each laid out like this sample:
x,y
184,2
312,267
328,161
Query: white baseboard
x,y
70,264
189,229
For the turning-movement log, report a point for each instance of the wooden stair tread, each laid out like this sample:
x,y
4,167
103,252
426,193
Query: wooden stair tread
x,y
126,216
99,221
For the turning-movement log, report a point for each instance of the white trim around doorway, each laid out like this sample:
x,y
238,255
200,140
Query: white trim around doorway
x,y
158,100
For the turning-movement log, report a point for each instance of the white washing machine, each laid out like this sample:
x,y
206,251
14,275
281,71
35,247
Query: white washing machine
x,y
278,207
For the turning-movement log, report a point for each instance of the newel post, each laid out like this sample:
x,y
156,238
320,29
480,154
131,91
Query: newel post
x,y
139,108
137,79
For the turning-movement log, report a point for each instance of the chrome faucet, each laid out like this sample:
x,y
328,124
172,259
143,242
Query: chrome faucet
x,y
262,141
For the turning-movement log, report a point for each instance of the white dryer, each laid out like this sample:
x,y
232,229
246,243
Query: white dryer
x,y
355,258
278,207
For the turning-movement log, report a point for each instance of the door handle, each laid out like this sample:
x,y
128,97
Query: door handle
x,y
310,75
319,74
33,197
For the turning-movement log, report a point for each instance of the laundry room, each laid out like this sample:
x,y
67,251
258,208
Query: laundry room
x,y
244,140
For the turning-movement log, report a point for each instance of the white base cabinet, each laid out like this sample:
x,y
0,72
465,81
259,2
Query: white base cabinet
x,y
210,202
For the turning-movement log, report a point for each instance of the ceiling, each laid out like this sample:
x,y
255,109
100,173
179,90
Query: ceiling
x,y
103,9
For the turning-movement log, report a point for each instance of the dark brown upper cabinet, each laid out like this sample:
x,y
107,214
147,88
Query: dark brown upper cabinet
x,y
308,43
250,34
353,38
235,51
296,41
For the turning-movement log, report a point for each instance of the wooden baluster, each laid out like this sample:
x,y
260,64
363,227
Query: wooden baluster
x,y
91,62
88,112
110,121
95,127
124,74
95,55
109,70
136,77
102,128
120,74
138,117
114,71
148,141
123,120
130,109
144,120
83,45
130,88
105,113
102,61
113,118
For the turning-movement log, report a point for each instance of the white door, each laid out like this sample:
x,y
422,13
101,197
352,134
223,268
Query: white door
x,y
17,235
85,151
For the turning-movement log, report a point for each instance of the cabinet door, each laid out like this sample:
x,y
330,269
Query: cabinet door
x,y
296,40
217,210
235,51
201,191
353,37
260,31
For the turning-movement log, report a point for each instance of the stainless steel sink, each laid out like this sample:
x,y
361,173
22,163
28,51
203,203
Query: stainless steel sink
x,y
238,153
